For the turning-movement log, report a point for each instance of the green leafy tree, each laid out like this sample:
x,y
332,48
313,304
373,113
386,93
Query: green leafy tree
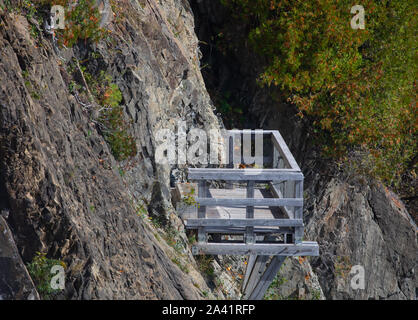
x,y
356,85
40,272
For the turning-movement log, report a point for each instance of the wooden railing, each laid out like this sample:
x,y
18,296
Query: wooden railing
x,y
282,178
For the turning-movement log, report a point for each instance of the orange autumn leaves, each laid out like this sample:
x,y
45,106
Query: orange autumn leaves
x,y
82,21
356,87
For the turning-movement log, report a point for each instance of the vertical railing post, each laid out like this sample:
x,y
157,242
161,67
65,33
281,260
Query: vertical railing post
x,y
299,211
249,233
275,158
231,141
201,210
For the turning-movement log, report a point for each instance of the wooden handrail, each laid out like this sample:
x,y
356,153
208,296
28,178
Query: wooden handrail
x,y
268,202
284,151
244,174
243,223
278,143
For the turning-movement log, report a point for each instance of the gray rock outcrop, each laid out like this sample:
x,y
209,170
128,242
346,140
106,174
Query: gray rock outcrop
x,y
62,186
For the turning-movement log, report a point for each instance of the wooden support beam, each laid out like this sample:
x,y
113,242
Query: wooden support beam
x,y
264,202
278,194
244,174
267,278
255,274
282,147
276,158
249,233
230,165
258,131
241,230
202,192
201,211
195,223
304,248
299,231
250,265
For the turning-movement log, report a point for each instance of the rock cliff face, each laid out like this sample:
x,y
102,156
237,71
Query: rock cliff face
x,y
62,187
15,281
362,224
355,220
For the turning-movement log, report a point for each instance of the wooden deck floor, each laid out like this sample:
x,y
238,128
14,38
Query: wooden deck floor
x,y
236,212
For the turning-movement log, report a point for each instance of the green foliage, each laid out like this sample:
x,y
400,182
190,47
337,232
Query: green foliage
x,y
82,20
192,239
182,267
316,294
32,87
272,291
231,112
189,198
141,210
120,141
109,97
342,266
356,86
40,272
204,263
29,7
172,238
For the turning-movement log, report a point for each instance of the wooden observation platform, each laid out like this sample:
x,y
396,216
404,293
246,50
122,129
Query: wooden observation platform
x,y
257,211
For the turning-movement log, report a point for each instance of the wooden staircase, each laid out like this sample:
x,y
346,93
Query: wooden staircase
x,y
258,213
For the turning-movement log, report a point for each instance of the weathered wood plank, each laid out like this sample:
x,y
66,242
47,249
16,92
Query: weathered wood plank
x,y
244,174
202,192
278,194
276,158
238,193
299,231
194,223
270,202
282,147
258,131
249,233
305,248
241,230
250,265
266,279
201,211
256,273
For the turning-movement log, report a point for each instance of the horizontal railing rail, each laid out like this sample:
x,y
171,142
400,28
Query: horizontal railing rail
x,y
243,223
269,202
244,174
307,248
278,142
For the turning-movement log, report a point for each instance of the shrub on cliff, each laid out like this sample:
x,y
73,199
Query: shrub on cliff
x,y
357,86
82,19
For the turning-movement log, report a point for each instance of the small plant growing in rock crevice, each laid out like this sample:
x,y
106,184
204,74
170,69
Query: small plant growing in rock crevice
x,y
82,20
189,198
204,263
272,291
40,272
115,127
182,266
106,98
